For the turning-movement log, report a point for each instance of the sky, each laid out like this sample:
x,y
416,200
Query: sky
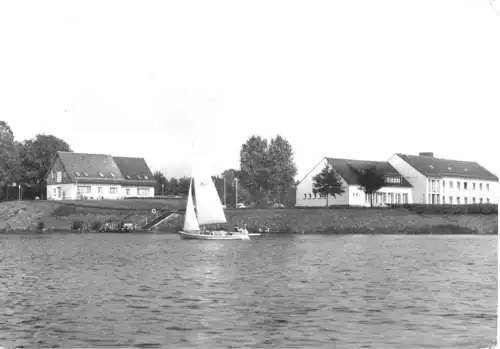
x,y
346,79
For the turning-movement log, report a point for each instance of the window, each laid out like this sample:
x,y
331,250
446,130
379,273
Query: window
x,y
458,185
451,185
59,177
451,200
480,186
315,195
458,200
83,189
444,200
145,191
384,198
465,185
488,200
398,198
113,190
310,196
391,198
127,192
54,192
305,195
487,186
481,200
473,186
405,198
99,190
473,200
444,185
466,200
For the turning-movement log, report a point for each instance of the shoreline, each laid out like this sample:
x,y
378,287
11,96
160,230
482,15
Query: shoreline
x,y
59,217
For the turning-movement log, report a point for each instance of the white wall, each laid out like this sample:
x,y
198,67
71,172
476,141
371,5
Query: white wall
x,y
70,192
359,198
305,187
414,177
470,192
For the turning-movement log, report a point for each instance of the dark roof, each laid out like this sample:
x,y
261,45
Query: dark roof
x,y
348,170
134,169
435,167
90,166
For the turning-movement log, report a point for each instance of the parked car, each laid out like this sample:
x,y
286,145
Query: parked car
x,y
278,205
240,205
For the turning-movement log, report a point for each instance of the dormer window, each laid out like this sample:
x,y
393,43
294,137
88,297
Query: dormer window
x,y
146,177
77,174
100,174
431,166
112,174
449,168
128,177
85,174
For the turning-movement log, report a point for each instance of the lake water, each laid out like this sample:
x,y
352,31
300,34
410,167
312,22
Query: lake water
x,y
154,290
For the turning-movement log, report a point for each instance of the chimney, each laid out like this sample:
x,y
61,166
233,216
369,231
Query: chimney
x,y
426,154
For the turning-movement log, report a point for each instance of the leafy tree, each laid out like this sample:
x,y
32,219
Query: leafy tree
x,y
266,167
283,169
161,182
9,158
36,156
370,181
183,188
328,182
254,165
173,186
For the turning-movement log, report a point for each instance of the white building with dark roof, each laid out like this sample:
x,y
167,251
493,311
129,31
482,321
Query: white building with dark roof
x,y
98,176
395,191
443,181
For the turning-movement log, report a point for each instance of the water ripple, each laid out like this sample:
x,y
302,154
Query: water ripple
x,y
151,291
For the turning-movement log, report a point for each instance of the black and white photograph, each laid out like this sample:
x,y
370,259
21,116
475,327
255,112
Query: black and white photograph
x,y
249,174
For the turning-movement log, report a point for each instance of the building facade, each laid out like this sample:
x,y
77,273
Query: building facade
x,y
396,190
443,181
74,176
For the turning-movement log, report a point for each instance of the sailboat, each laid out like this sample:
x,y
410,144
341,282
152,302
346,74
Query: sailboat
x,y
208,210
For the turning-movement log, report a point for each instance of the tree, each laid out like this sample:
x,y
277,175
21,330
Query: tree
x,y
36,156
230,176
254,165
9,158
283,169
184,183
173,186
370,181
328,182
161,183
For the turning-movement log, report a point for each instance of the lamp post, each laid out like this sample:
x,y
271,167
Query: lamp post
x,y
236,181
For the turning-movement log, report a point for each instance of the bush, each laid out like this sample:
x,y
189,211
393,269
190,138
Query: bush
x,y
452,209
77,225
96,226
40,226
64,210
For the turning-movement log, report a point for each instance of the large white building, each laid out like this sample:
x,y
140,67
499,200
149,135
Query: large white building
x,y
98,176
443,181
396,190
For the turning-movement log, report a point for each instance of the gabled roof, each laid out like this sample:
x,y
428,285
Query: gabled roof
x,y
134,169
430,166
348,169
90,166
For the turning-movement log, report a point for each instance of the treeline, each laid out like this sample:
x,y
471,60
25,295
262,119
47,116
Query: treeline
x,y
266,175
26,163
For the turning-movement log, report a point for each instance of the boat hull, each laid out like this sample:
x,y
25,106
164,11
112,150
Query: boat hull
x,y
217,235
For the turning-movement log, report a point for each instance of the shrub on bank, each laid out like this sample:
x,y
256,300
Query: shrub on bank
x,y
40,226
451,209
77,225
96,226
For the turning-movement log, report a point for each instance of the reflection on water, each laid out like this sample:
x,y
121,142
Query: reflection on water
x,y
86,290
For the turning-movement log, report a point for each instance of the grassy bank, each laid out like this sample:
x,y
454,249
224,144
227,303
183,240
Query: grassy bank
x,y
60,216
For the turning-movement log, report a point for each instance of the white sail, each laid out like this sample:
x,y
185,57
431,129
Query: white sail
x,y
190,220
208,204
